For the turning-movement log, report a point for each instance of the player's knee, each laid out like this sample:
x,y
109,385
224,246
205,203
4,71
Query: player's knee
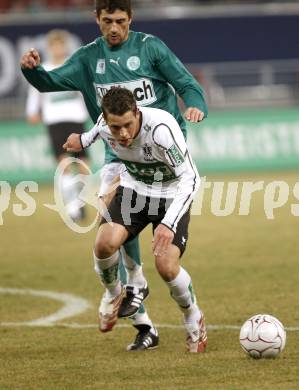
x,y
104,248
166,268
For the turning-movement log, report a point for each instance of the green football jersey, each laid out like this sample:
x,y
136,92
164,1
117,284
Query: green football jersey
x,y
142,64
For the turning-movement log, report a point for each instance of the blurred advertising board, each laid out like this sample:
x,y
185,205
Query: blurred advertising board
x,y
214,39
225,142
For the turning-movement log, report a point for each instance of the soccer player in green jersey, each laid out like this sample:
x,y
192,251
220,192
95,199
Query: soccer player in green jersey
x,y
143,64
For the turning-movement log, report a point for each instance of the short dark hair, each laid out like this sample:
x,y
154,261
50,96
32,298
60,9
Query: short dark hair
x,y
112,5
118,101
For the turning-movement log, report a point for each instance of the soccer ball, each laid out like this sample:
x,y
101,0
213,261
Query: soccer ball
x,y
262,336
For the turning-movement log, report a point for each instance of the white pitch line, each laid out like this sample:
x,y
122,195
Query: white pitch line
x,y
73,306
74,325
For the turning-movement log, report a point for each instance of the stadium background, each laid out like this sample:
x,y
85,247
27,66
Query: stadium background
x,y
245,54
245,59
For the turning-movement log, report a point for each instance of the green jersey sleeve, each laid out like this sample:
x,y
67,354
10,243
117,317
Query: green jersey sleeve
x,y
64,78
175,73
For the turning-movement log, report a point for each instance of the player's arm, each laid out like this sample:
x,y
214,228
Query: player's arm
x,y
63,78
175,154
33,106
178,76
177,157
76,142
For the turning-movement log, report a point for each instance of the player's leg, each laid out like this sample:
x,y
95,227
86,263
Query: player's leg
x,y
68,185
106,260
136,285
181,289
82,168
147,336
133,278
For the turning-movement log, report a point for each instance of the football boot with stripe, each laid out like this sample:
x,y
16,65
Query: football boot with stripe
x,y
147,338
132,300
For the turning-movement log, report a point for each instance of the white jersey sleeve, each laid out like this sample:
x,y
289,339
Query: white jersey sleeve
x,y
33,103
92,135
173,148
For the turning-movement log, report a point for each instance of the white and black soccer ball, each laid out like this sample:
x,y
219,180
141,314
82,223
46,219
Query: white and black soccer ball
x,y
262,336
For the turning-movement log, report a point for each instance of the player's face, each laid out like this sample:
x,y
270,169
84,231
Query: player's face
x,y
57,49
124,128
114,27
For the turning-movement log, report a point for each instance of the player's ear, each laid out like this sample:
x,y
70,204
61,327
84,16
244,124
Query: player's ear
x,y
97,17
130,20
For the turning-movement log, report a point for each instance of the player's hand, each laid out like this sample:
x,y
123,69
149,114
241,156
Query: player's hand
x,y
163,237
193,114
34,119
30,59
73,143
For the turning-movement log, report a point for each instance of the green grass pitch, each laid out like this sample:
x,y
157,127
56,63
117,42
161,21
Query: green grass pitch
x,y
240,265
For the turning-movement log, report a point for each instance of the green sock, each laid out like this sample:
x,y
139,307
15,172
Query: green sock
x,y
133,250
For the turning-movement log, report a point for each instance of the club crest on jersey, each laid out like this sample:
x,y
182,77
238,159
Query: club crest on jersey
x,y
101,66
133,63
147,152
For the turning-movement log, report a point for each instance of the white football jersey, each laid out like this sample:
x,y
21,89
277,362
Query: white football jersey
x,y
157,163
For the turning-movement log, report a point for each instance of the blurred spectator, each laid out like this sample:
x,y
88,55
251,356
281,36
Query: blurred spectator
x,y
17,6
37,6
62,113
4,5
42,5
78,5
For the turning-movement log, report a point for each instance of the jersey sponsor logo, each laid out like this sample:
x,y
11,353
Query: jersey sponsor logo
x,y
142,89
133,63
149,173
147,152
176,156
101,66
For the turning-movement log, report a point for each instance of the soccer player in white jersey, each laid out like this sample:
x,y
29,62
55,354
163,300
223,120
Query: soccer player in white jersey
x,y
157,185
143,64
62,113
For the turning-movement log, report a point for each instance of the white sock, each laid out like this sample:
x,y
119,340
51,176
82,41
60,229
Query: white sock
x,y
68,187
70,192
134,271
142,319
182,292
107,269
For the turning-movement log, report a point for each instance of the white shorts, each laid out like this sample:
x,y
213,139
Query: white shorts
x,y
108,173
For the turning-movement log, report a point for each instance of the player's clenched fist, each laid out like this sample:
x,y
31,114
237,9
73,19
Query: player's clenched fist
x,y
73,143
31,59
